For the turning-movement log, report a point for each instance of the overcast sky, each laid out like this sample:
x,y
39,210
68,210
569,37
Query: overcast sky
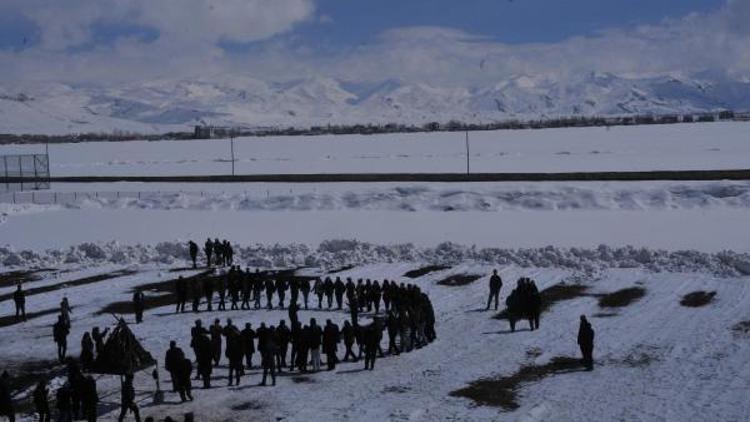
x,y
447,42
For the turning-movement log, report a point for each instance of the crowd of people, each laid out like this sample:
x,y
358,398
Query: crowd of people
x,y
401,312
408,320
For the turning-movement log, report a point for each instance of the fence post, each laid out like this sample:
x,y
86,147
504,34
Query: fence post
x,y
33,197
14,197
75,196
55,197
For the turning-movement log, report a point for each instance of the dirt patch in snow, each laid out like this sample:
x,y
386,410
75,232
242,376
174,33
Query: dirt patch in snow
x,y
248,405
621,298
459,280
425,270
396,389
604,315
9,320
12,278
503,392
697,299
551,295
303,380
72,283
741,329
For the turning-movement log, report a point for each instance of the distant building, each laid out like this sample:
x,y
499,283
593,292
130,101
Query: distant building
x,y
211,132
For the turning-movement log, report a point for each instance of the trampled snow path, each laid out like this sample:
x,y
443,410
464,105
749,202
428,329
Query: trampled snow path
x,y
656,360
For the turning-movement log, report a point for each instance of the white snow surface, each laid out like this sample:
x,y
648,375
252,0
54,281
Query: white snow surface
x,y
655,360
697,146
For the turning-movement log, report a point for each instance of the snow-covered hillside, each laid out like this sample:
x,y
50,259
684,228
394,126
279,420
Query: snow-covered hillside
x,y
168,104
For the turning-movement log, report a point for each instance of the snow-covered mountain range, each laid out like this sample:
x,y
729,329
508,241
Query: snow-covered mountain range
x,y
179,104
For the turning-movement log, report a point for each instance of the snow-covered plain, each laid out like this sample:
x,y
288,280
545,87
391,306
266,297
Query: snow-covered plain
x,y
657,360
707,146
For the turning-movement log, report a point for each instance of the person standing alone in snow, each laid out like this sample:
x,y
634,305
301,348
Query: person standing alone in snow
x,y
496,283
586,342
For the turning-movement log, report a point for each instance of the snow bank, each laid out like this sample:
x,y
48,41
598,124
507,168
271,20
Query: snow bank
x,y
463,197
332,254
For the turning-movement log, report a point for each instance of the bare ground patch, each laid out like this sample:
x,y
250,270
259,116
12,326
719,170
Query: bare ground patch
x,y
697,299
741,329
459,280
72,283
11,278
248,405
419,272
621,298
503,392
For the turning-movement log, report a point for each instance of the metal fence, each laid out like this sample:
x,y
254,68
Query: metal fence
x,y
34,167
70,198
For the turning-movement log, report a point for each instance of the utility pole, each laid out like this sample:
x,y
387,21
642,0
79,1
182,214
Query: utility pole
x,y
468,157
231,143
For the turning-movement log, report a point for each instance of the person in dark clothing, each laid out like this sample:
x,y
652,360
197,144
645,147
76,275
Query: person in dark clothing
x,y
302,348
203,355
314,341
496,283
248,341
195,332
281,286
183,370
270,287
246,287
208,248
60,333
392,326
63,404
319,290
535,304
98,337
339,288
181,290
329,288
76,380
89,398
294,337
216,331
293,316
195,293
258,286
268,351
19,298
127,399
218,253
6,400
221,288
305,289
348,334
139,303
228,253
375,295
372,342
586,343
193,247
331,338
283,336
87,350
208,291
293,290
41,401
234,352
172,360
387,295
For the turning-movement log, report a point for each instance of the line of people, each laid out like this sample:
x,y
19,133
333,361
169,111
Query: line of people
x,y
219,253
409,322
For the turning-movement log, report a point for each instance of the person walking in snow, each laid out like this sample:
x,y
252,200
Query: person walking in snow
x,y
6,400
496,283
193,253
65,311
216,331
41,401
586,343
127,399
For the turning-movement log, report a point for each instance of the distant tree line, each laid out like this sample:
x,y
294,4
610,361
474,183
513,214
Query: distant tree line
x,y
209,132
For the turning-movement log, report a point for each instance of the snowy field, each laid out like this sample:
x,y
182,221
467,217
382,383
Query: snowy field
x,y
656,359
698,146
